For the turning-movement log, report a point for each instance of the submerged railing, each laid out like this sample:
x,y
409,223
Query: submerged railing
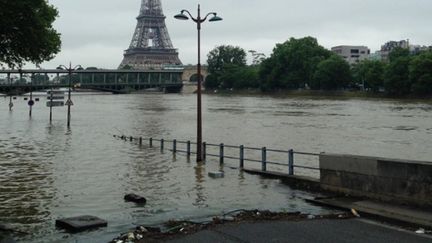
x,y
263,156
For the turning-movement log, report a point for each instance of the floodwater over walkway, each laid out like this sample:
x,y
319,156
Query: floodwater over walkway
x,y
48,171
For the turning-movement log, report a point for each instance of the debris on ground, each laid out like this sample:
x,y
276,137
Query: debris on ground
x,y
420,231
81,223
174,228
355,213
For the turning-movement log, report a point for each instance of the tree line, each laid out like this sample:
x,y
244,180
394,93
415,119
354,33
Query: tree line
x,y
304,64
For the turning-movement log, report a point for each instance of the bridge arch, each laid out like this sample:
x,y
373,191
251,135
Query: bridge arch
x,y
190,73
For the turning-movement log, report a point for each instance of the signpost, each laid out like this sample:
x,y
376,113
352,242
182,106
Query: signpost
x,y
55,99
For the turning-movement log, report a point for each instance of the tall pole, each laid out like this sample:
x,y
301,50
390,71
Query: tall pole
x,y
198,20
31,96
51,104
69,96
199,114
10,97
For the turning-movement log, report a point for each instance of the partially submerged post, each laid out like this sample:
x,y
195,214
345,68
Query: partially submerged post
x,y
291,162
221,153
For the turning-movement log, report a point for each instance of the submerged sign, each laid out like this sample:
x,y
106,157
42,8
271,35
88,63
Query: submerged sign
x,y
55,98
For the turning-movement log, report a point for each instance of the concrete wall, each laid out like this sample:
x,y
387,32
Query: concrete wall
x,y
398,181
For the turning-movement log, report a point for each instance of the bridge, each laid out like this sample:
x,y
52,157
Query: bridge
x,y
17,82
190,73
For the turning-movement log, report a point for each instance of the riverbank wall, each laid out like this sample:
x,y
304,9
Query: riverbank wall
x,y
390,180
402,182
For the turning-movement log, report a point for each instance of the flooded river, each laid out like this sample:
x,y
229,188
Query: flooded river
x,y
48,171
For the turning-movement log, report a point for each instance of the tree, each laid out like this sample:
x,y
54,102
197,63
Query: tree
x,y
369,73
331,74
397,53
257,57
292,64
26,32
420,74
396,77
224,63
247,77
223,55
211,82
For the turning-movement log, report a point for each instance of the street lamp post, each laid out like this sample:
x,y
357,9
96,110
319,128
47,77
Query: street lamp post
x,y
69,101
198,20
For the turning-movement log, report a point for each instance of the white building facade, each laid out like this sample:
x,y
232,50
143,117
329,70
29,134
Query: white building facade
x,y
352,54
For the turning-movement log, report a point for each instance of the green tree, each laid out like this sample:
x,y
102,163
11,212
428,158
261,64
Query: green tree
x,y
247,77
212,82
369,73
420,74
396,77
225,55
224,65
397,53
331,74
292,64
26,32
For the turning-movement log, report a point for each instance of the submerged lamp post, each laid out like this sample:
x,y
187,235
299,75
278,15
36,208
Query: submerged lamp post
x,y
69,101
198,20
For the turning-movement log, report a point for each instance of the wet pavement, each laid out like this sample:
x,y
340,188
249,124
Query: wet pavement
x,y
325,230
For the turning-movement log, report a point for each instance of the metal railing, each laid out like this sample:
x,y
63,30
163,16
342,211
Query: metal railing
x,y
241,153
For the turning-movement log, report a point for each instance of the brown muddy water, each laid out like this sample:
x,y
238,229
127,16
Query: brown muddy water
x,y
48,171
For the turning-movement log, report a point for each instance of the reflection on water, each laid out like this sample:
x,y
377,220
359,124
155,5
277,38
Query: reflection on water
x,y
48,171
26,183
200,200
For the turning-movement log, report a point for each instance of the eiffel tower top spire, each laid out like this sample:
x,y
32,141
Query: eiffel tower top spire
x,y
151,46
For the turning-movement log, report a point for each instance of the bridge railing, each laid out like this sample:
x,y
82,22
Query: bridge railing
x,y
286,161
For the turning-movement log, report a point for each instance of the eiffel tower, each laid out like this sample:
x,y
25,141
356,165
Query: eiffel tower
x,y
151,46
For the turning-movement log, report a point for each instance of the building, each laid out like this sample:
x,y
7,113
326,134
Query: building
x,y
415,49
390,46
352,54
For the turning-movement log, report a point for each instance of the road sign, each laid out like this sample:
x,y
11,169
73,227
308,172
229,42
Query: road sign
x,y
30,102
56,92
54,103
55,98
69,102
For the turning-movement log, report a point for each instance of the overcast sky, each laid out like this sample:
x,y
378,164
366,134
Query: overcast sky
x,y
96,32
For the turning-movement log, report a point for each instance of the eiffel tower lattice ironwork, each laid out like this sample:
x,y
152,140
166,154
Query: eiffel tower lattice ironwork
x,y
151,46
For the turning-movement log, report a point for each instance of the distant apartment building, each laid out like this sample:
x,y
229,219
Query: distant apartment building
x,y
390,46
415,49
352,54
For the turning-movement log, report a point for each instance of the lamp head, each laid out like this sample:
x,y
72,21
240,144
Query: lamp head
x,y
181,16
215,18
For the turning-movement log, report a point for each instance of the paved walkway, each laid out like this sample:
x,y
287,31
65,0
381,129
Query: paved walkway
x,y
347,230
405,214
